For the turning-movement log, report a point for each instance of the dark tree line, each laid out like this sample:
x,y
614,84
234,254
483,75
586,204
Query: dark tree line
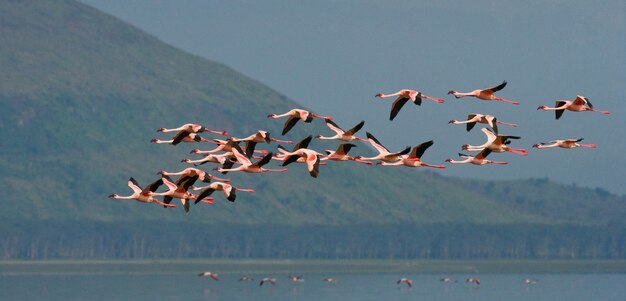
x,y
411,241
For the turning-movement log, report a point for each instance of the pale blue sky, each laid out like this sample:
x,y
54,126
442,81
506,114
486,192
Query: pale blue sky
x,y
333,56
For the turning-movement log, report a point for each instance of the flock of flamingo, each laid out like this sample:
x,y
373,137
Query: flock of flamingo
x,y
230,152
402,281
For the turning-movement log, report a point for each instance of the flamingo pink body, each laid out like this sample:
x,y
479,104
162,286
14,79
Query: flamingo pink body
x,y
485,94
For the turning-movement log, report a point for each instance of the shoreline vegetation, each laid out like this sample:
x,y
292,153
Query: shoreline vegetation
x,y
226,266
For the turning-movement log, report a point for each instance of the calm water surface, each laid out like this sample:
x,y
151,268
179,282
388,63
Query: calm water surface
x,y
40,283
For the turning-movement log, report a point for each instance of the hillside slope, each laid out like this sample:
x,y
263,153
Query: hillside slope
x,y
82,93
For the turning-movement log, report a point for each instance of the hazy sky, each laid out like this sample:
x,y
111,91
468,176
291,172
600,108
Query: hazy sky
x,y
334,56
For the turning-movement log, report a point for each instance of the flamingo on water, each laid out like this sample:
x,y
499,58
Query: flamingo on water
x,y
383,153
404,96
209,274
296,115
580,104
145,195
341,134
490,120
413,159
485,94
192,128
407,281
227,189
567,143
191,172
341,154
476,160
496,143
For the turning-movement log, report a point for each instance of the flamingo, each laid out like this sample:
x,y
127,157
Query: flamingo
x,y
283,156
567,143
246,278
341,154
530,281
310,157
580,104
294,116
447,280
329,280
227,189
191,172
491,120
209,274
179,191
497,144
408,281
413,159
226,146
476,160
341,134
296,278
192,128
145,195
485,94
258,137
181,137
404,96
473,280
249,167
268,280
220,159
383,153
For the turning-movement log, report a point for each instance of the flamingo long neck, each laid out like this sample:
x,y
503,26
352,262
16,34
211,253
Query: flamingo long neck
x,y
327,138
164,130
468,160
281,141
506,100
125,197
159,141
389,95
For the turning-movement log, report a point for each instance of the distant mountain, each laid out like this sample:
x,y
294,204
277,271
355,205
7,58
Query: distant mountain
x,y
82,93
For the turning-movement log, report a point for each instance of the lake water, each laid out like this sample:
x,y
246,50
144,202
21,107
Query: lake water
x,y
179,281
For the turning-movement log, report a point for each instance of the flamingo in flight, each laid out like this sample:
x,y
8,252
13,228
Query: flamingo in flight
x,y
209,274
227,189
179,191
447,280
267,280
259,137
413,159
383,153
490,120
192,128
296,278
248,166
296,115
310,157
191,172
341,134
330,280
220,159
145,195
341,154
567,143
302,144
496,143
485,94
473,280
223,145
407,281
404,96
182,137
476,160
580,104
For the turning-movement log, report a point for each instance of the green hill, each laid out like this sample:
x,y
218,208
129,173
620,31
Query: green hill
x,y
82,93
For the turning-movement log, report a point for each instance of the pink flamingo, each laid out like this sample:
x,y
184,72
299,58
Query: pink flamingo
x,y
476,160
179,191
191,172
404,96
267,280
496,143
383,153
294,116
192,128
259,137
567,143
408,281
181,137
145,195
491,120
227,189
248,166
341,154
341,134
209,274
580,104
485,94
413,159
